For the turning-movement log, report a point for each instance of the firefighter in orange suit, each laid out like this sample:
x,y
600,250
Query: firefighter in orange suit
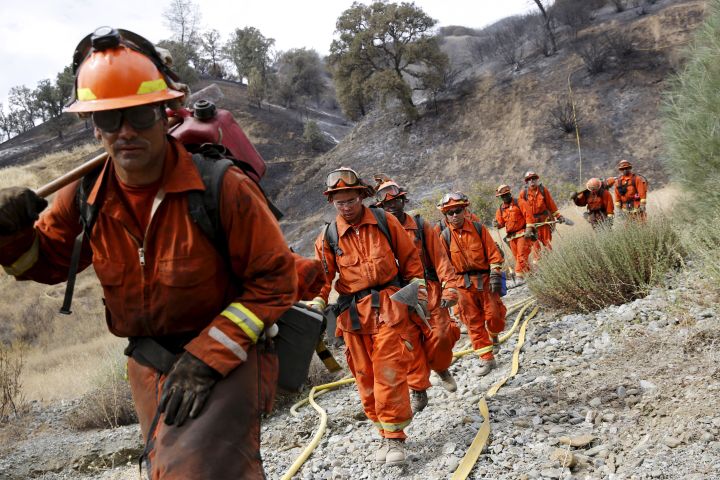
x,y
540,212
440,336
371,267
631,192
478,261
599,203
511,217
199,368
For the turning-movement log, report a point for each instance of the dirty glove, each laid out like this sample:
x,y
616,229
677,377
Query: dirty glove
x,y
186,389
496,224
641,208
560,219
317,304
19,208
495,281
530,233
449,298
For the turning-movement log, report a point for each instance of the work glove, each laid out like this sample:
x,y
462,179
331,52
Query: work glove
x,y
19,208
449,298
496,224
530,234
317,304
186,389
641,208
560,219
495,281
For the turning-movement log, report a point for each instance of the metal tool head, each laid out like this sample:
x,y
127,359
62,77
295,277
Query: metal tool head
x,y
408,295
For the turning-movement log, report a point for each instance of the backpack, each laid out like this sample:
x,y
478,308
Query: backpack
x,y
622,189
212,161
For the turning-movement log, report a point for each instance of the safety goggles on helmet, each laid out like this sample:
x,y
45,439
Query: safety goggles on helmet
x,y
347,176
104,38
388,192
456,196
141,117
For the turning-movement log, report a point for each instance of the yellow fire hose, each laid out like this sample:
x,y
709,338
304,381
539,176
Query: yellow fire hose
x,y
321,430
478,443
321,389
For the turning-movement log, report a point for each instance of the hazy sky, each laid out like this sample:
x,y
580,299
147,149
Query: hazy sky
x,y
37,37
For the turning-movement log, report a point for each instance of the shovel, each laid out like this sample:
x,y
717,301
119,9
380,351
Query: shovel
x,y
408,295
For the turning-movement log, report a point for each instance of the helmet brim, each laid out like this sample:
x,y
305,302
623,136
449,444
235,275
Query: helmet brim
x,y
89,106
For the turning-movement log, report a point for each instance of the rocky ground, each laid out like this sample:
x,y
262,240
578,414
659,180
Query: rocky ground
x,y
627,392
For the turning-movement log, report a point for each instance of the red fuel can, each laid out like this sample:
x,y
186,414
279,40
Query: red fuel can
x,y
208,124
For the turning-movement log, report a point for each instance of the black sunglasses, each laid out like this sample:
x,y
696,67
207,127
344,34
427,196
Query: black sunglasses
x,y
140,117
457,211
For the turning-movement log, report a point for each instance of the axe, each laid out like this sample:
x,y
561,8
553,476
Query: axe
x,y
408,295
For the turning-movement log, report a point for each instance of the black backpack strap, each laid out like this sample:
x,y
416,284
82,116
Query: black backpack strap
x,y
381,218
329,235
445,234
430,273
88,215
204,206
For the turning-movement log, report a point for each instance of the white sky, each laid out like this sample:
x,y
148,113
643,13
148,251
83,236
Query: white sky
x,y
37,37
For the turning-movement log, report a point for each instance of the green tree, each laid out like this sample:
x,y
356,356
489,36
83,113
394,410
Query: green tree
x,y
22,108
185,59
257,91
182,17
312,136
299,76
248,49
211,48
381,48
691,123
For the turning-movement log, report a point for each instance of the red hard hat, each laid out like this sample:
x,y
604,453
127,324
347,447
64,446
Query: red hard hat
x,y
502,190
530,174
624,164
114,74
594,184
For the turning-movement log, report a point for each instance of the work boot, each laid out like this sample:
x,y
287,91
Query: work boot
x,y
496,344
519,280
419,400
381,452
396,452
486,366
448,382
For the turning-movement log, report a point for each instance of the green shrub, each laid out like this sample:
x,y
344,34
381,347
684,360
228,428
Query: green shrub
x,y
702,240
12,400
592,270
691,111
312,136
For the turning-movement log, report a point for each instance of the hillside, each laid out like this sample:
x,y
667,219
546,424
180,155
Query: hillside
x,y
500,129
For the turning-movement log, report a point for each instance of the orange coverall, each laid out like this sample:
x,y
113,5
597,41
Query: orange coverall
x,y
437,343
599,205
379,350
170,283
473,255
539,207
635,188
512,217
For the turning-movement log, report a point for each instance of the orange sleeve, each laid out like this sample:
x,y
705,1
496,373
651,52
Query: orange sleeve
x,y
493,255
581,199
409,263
310,275
618,199
499,218
327,259
641,187
439,257
526,209
550,203
262,263
609,205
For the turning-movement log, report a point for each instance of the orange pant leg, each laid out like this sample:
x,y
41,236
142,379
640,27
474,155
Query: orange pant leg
x,y
418,376
473,316
493,309
441,339
544,235
521,251
223,442
379,362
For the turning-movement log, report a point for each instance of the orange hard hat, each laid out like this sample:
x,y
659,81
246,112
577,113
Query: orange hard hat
x,y
594,184
624,164
609,182
112,72
389,190
502,190
345,178
453,200
530,174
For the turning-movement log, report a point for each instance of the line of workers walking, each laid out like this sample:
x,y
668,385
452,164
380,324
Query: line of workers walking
x,y
370,253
